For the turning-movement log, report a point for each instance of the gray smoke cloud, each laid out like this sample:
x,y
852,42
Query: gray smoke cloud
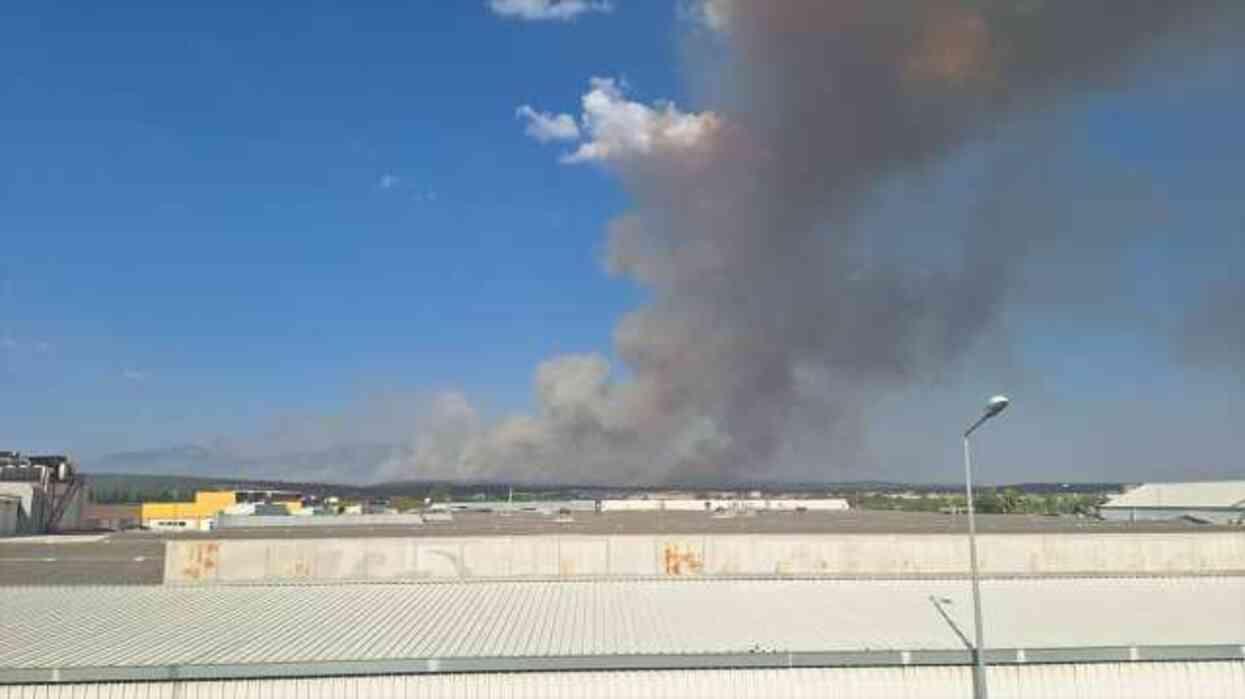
x,y
1213,334
774,306
786,294
385,435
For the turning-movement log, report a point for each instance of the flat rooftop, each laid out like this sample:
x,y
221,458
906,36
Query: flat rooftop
x,y
137,558
163,632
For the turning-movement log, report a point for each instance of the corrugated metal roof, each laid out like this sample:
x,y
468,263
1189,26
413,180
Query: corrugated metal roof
x,y
1172,680
1183,495
45,627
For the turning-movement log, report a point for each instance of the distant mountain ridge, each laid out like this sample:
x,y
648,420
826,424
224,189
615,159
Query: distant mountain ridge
x,y
337,463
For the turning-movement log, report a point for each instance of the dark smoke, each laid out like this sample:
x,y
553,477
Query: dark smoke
x,y
778,311
751,242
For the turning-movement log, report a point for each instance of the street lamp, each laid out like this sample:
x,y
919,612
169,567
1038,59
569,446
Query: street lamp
x,y
994,406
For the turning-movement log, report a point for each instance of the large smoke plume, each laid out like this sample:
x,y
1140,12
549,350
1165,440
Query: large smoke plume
x,y
772,303
779,304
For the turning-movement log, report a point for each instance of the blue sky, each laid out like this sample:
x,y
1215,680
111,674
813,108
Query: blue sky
x,y
211,216
252,206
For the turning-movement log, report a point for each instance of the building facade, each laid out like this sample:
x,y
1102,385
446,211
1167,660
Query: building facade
x,y
1212,502
201,514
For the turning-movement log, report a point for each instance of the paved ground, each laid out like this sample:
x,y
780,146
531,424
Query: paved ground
x,y
114,560
138,557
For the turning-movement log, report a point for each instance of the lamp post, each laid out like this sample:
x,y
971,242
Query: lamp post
x,y
994,406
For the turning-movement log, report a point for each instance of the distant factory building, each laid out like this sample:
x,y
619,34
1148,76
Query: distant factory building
x,y
40,494
201,514
730,504
1215,502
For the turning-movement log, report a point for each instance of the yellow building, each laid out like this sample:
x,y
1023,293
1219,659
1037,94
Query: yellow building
x,y
200,514
188,515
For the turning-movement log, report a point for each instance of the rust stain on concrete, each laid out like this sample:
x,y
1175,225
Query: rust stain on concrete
x,y
682,560
202,561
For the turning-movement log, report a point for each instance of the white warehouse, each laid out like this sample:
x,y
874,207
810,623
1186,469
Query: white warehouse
x,y
1215,502
732,504
634,638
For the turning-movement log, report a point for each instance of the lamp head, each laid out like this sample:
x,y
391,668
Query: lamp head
x,y
996,405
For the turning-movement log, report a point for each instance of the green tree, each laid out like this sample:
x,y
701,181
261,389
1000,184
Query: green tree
x,y
987,502
1011,501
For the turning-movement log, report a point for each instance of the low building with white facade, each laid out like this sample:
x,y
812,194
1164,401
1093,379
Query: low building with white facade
x,y
729,504
1216,502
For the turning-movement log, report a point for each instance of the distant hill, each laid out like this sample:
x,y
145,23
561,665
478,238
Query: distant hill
x,y
180,459
131,487
352,468
336,463
136,487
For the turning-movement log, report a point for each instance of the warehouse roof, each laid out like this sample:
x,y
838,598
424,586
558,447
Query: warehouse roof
x,y
1209,494
84,634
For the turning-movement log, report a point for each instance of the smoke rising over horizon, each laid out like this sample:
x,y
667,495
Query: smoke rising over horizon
x,y
788,286
773,303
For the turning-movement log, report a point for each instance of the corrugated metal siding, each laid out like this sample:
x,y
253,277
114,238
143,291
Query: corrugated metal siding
x,y
1216,680
45,627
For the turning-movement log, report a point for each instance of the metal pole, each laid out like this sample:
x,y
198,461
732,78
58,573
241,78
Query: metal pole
x,y
980,690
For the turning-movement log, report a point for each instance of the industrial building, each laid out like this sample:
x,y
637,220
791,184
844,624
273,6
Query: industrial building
x,y
1218,502
1107,637
723,504
242,518
629,604
201,514
38,494
656,504
10,513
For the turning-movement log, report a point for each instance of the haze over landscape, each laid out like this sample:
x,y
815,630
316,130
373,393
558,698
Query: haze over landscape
x,y
628,242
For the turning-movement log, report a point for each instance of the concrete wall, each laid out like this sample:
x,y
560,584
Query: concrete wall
x,y
565,556
10,508
32,510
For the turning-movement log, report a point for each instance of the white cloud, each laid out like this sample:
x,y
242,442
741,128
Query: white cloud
x,y
8,343
388,181
716,14
542,10
546,126
135,375
617,128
